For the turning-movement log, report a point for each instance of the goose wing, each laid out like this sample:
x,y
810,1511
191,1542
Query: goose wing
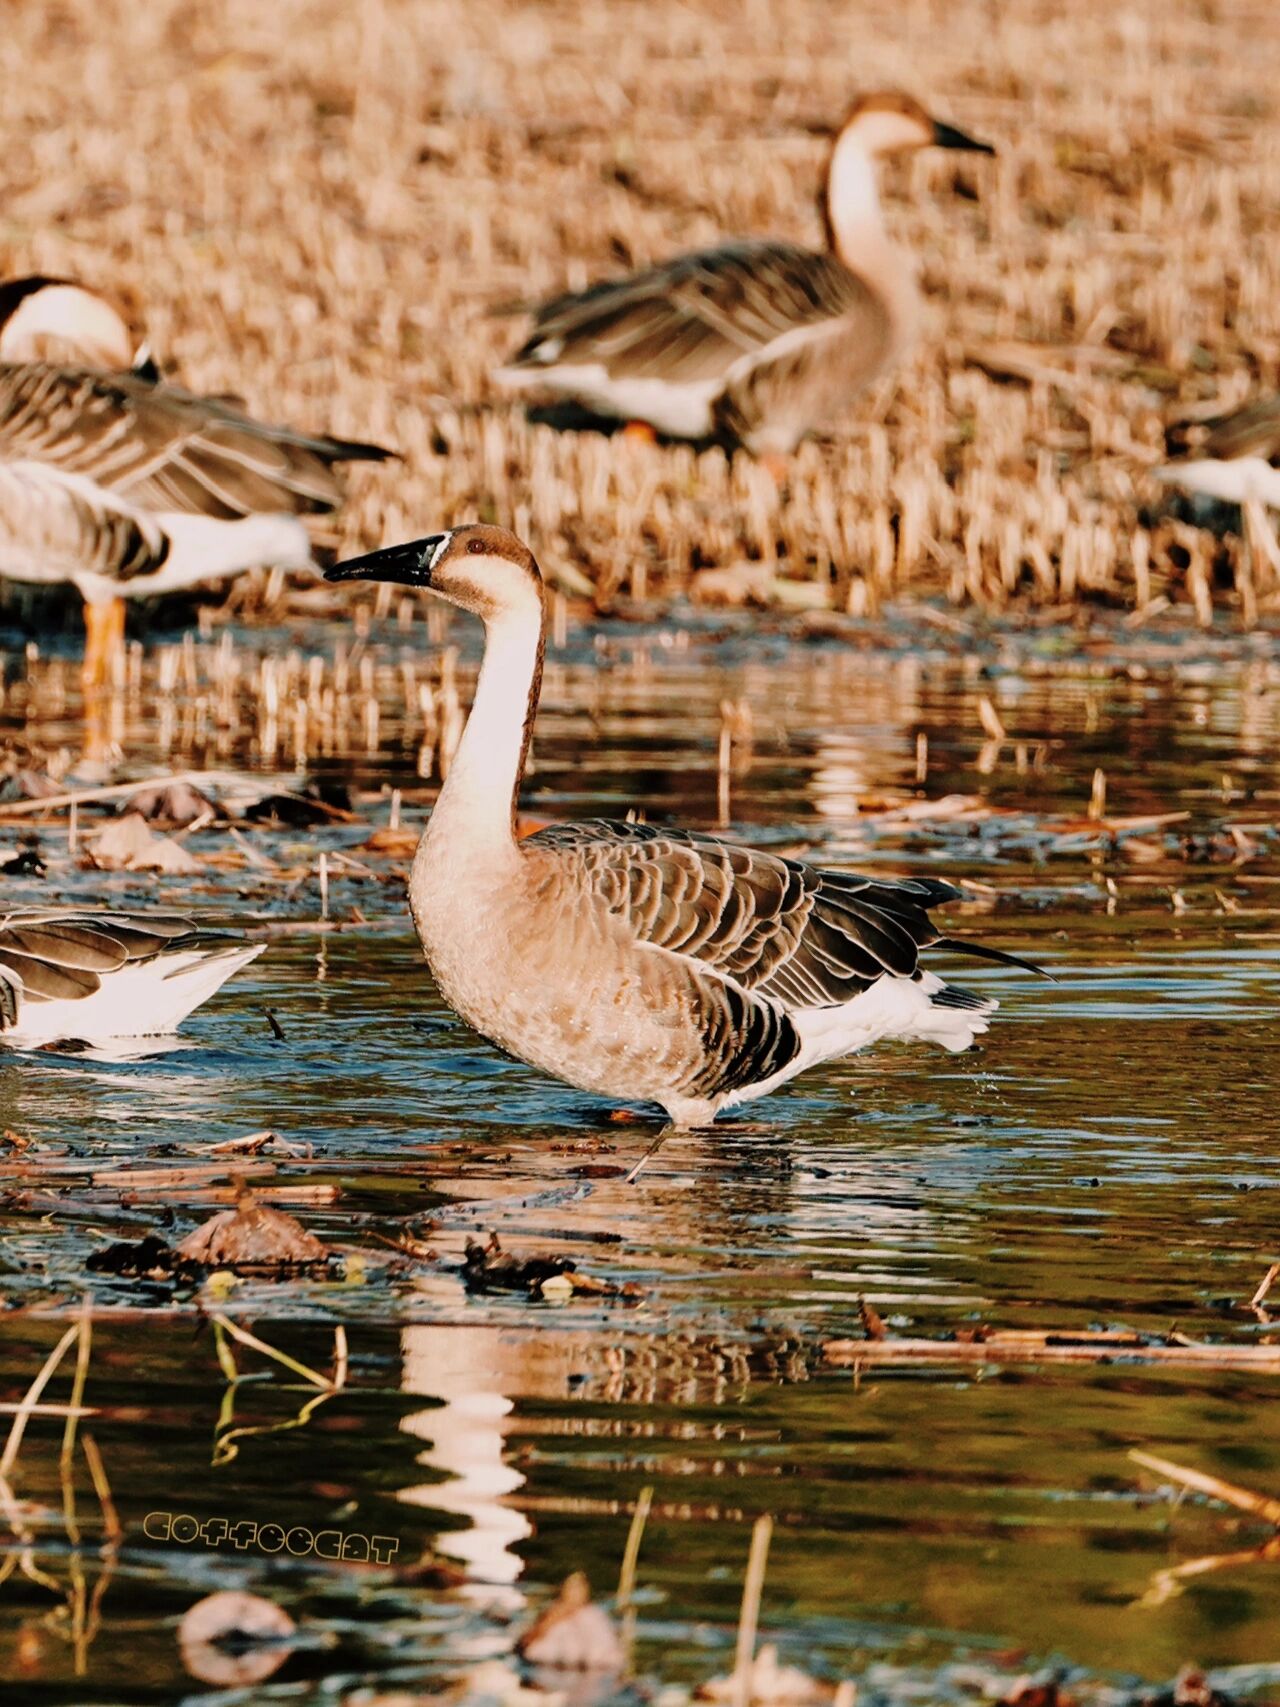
x,y
697,317
63,956
787,933
1253,430
55,525
164,448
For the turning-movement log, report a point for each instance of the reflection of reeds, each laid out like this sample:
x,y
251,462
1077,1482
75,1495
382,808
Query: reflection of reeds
x,y
83,1607
1167,1583
227,1436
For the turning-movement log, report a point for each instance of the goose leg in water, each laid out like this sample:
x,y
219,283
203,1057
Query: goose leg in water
x,y
104,638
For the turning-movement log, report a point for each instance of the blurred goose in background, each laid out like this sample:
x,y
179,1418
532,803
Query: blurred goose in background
x,y
94,976
756,341
126,488
640,963
1236,458
44,319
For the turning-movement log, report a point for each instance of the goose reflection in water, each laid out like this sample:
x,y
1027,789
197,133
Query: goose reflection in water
x,y
469,1371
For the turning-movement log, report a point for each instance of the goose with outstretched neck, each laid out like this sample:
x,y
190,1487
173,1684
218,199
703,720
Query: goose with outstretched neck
x,y
757,341
643,963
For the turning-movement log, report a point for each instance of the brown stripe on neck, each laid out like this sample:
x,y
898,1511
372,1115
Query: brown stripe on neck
x,y
535,694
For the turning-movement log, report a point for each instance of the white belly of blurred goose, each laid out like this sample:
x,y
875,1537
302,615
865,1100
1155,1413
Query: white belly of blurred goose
x,y
1235,457
637,962
755,341
96,976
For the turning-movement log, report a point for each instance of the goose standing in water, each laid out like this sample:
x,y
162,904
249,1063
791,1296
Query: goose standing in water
x,y
94,976
1234,457
756,341
644,964
127,488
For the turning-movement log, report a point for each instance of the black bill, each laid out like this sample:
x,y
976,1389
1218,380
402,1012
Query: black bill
x,y
947,136
411,564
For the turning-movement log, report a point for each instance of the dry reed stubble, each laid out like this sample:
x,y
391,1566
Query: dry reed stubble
x,y
320,206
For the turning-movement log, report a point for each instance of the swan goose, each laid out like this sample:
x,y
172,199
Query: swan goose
x,y
755,341
128,488
643,963
94,975
1234,457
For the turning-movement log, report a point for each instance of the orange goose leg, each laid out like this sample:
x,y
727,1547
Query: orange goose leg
x,y
104,640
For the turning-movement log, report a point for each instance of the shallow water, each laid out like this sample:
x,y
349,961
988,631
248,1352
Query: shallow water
x,y
1106,1161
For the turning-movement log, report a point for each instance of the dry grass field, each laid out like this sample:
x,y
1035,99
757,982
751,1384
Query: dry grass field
x,y
320,205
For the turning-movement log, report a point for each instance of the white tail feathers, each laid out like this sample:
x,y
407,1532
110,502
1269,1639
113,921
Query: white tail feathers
x,y
147,998
204,547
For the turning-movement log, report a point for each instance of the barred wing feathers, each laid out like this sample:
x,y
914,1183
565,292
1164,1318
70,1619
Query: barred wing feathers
x,y
163,448
695,318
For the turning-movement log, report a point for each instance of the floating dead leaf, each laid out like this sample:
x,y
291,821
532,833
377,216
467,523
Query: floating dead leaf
x,y
149,1258
24,861
1191,1688
232,1639
488,1268
129,844
318,804
254,1237
399,843
573,1633
1036,1692
872,1321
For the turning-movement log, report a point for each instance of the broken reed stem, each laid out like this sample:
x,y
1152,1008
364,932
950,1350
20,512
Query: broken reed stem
x,y
31,1399
749,1619
1259,1505
281,1357
102,1487
69,1432
1264,1286
226,1358
1036,1347
631,1552
652,1151
340,1357
627,1577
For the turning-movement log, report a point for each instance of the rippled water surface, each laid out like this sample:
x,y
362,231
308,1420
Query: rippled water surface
x,y
1106,1161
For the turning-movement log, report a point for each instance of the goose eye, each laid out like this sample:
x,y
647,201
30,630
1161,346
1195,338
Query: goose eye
x,y
476,545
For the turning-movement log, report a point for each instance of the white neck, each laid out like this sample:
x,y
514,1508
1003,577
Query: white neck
x,y
475,808
853,199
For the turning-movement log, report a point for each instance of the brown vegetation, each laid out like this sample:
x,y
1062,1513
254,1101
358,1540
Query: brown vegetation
x,y
320,207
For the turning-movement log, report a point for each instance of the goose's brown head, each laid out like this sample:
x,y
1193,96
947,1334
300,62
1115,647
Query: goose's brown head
x,y
483,569
891,122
